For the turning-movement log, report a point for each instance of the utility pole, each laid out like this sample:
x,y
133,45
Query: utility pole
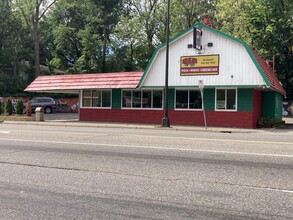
x,y
165,120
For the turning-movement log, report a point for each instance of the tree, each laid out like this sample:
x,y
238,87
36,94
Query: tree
x,y
1,107
13,41
33,12
185,13
72,36
267,26
109,18
19,107
14,49
138,30
8,107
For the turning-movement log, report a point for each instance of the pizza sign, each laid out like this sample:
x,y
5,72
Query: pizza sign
x,y
199,65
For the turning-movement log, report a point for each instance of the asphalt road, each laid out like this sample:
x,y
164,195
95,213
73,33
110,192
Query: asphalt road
x,y
62,172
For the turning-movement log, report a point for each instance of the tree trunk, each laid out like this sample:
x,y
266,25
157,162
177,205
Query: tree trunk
x,y
37,49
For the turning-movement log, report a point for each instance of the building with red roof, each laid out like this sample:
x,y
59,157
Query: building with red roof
x,y
239,87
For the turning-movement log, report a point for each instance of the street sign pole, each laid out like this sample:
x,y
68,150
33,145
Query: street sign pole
x,y
201,88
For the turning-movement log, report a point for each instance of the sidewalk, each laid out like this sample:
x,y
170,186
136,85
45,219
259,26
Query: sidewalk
x,y
75,123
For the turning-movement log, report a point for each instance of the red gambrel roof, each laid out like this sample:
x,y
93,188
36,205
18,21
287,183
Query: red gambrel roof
x,y
85,81
275,84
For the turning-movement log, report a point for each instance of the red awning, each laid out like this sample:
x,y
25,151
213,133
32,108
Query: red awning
x,y
77,82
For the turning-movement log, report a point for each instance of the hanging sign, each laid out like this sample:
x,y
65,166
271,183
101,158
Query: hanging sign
x,y
199,65
197,36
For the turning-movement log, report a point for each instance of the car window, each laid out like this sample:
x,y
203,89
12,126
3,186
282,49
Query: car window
x,y
44,100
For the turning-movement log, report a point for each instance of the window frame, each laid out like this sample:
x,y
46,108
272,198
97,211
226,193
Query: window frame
x,y
236,99
188,101
142,91
91,105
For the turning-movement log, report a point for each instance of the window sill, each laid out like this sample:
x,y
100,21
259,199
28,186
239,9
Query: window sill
x,y
225,110
96,107
184,109
123,108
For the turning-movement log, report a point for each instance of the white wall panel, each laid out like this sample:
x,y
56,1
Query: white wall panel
x,y
236,67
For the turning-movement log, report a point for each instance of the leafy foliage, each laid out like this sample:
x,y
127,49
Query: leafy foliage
x,y
14,43
266,25
81,36
8,107
10,85
19,107
1,108
270,123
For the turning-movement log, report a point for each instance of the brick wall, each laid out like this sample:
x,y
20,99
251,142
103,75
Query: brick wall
x,y
243,119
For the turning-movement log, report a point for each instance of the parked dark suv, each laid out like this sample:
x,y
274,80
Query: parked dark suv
x,y
46,102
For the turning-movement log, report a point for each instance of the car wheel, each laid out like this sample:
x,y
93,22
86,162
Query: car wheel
x,y
48,110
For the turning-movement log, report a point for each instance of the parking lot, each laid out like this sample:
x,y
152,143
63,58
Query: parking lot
x,y
61,117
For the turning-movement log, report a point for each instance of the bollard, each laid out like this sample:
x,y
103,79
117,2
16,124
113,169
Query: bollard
x,y
39,114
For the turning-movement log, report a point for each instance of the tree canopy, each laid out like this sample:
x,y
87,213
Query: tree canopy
x,y
83,36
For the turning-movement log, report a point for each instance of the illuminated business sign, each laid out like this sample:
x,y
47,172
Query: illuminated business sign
x,y
199,65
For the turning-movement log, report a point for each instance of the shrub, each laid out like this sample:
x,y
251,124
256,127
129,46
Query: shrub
x,y
269,122
28,108
1,108
8,107
19,107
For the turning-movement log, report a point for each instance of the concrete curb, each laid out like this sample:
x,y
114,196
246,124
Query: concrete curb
x,y
139,126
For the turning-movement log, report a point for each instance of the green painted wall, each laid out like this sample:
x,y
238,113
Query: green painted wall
x,y
209,99
271,104
171,98
271,101
279,105
245,102
116,98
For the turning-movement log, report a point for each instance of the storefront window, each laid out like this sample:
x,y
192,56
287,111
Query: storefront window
x,y
158,99
136,99
182,99
221,99
126,98
86,98
188,99
195,101
226,99
147,99
106,98
96,98
142,98
231,99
